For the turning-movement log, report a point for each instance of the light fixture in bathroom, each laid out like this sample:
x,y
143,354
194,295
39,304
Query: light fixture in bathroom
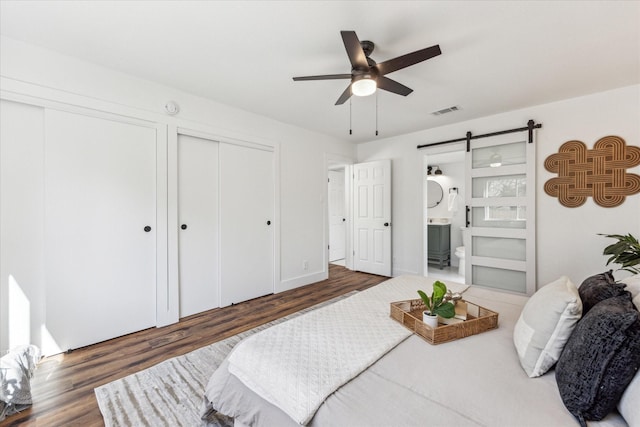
x,y
434,170
495,161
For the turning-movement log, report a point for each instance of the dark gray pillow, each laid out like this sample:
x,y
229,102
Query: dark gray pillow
x,y
600,359
598,288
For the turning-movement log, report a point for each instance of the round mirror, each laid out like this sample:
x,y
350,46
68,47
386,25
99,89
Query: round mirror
x,y
434,193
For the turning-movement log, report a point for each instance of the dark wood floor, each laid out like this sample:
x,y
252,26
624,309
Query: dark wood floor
x,y
63,384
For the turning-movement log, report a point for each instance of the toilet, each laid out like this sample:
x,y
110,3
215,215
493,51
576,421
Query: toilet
x,y
460,251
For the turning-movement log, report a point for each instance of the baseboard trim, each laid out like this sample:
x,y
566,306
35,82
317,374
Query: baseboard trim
x,y
307,279
399,272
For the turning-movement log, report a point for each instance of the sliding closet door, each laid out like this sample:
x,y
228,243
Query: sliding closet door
x,y
100,228
198,219
22,293
500,193
246,223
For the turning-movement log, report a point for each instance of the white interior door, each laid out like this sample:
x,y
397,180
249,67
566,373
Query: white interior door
x,y
246,223
198,222
100,261
337,216
500,194
372,217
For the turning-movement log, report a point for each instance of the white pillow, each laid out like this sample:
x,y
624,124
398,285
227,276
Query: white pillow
x,y
628,405
633,284
545,324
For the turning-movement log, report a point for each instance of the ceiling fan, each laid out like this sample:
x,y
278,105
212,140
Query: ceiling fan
x,y
366,75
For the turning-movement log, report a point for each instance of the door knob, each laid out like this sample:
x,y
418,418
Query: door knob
x,y
183,226
147,228
268,222
344,219
386,224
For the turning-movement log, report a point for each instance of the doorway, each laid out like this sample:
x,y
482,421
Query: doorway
x,y
338,222
444,213
337,217
366,216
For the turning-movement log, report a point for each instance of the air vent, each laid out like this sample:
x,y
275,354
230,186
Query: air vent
x,y
446,110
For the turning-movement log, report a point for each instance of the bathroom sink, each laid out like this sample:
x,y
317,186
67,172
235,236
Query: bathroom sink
x,y
439,221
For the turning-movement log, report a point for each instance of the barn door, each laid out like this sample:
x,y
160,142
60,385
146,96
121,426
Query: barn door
x,y
500,198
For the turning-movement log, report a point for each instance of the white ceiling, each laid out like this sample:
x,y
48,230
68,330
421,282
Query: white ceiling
x,y
496,55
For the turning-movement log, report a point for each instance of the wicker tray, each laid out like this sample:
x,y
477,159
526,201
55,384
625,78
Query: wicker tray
x,y
409,313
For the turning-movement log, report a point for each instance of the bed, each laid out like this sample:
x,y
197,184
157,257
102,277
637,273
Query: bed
x,y
475,381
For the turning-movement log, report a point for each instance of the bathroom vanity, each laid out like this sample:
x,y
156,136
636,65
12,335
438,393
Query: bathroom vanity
x,y
439,245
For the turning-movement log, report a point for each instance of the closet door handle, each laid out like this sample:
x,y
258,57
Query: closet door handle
x,y
147,229
268,222
386,224
183,226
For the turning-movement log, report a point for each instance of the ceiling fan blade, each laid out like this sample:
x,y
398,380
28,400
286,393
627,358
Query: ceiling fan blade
x,y
393,86
324,77
345,95
354,50
407,60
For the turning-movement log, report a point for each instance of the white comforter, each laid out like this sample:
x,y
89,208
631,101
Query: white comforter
x,y
296,365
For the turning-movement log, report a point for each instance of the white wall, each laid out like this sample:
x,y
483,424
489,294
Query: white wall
x,y
567,240
30,73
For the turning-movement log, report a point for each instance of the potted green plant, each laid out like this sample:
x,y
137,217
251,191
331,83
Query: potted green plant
x,y
436,304
626,252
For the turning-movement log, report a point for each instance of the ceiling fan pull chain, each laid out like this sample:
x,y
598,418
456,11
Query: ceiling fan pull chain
x,y
376,113
350,125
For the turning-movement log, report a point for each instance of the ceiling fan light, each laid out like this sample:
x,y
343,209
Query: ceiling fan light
x,y
364,87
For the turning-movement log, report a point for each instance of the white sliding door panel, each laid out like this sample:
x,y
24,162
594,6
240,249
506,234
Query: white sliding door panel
x,y
337,216
100,194
372,217
246,223
198,222
501,201
22,289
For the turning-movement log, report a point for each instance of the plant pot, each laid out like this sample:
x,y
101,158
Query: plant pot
x,y
429,319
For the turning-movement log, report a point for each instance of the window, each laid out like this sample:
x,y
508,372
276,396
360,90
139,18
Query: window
x,y
506,186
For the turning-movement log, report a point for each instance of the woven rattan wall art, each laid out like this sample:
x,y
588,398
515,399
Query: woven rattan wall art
x,y
600,173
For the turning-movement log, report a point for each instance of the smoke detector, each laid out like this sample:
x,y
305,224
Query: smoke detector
x,y
171,108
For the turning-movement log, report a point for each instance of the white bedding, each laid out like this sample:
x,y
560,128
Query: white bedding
x,y
475,381
297,364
